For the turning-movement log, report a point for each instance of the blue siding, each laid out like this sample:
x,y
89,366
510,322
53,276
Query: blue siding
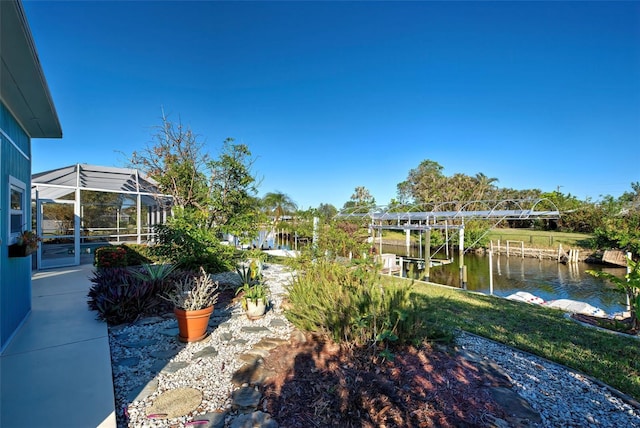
x,y
15,273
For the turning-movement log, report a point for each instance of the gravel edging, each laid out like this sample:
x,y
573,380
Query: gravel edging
x,y
563,396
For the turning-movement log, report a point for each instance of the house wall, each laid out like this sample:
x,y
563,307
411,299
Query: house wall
x,y
15,272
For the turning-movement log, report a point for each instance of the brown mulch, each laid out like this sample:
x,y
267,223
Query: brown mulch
x,y
318,383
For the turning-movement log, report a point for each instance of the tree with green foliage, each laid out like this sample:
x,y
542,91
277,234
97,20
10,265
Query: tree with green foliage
x,y
361,197
277,205
233,203
484,186
422,184
634,196
326,211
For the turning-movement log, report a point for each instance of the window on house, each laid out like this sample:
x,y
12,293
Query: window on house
x,y
17,207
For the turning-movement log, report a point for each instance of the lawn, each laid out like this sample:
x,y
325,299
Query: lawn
x,y
540,238
611,358
531,238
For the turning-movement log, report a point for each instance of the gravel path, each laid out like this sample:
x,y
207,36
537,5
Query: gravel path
x,y
148,361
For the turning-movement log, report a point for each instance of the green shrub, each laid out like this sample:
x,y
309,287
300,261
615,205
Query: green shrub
x,y
349,304
111,257
138,254
121,295
123,255
191,248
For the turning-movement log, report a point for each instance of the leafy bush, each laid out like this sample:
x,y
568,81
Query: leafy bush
x,y
191,247
138,254
120,295
622,232
111,257
123,255
349,304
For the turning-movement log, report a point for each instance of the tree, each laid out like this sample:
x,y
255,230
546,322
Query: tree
x,y
423,183
484,185
278,204
361,197
233,204
326,211
634,196
175,160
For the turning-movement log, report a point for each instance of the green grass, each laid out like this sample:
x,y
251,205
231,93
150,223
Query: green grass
x,y
531,238
611,358
540,238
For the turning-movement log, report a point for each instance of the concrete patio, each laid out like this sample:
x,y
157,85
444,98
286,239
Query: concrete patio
x,y
56,371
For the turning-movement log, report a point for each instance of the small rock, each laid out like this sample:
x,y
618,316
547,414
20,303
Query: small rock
x,y
175,403
262,353
298,337
245,398
249,358
254,419
171,332
252,329
215,420
164,354
174,366
252,374
140,343
278,322
143,391
209,351
267,344
520,412
127,362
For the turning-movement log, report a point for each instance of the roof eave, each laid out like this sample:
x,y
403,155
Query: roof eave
x,y
23,87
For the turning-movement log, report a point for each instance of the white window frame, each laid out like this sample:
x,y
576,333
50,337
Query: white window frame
x,y
17,185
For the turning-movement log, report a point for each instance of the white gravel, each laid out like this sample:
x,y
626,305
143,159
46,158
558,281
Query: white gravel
x,y
211,374
563,397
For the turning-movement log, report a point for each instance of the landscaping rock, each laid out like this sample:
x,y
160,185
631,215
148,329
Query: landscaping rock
x,y
254,419
245,398
175,403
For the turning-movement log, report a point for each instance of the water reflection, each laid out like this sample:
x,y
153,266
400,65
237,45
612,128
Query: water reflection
x,y
544,278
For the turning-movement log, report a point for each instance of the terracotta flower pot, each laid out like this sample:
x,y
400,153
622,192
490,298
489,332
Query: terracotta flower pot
x,y
192,324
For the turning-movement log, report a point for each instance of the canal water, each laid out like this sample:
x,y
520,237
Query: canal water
x,y
546,279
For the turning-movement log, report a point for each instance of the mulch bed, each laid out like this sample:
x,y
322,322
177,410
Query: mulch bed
x,y
320,384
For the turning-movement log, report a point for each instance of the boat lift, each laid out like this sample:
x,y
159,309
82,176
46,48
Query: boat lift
x,y
446,216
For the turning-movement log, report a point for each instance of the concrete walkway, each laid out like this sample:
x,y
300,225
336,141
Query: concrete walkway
x,y
56,371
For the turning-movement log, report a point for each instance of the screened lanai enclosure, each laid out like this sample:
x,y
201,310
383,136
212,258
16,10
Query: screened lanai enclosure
x,y
79,208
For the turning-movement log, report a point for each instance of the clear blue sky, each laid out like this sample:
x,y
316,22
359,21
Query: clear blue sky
x,y
333,95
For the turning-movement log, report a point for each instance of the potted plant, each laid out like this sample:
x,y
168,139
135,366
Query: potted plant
x,y
193,297
254,297
26,243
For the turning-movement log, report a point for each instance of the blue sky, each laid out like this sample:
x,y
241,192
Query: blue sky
x,y
333,95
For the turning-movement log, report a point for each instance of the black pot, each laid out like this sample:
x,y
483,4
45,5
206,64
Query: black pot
x,y
20,250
